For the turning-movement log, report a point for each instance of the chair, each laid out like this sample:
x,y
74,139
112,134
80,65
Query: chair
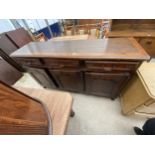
x,y
33,111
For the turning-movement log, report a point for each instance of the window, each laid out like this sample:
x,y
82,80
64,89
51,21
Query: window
x,y
6,25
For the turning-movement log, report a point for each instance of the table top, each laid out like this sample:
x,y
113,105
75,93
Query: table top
x,y
132,33
146,73
110,48
58,103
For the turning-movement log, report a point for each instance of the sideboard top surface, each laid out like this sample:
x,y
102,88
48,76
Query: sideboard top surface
x,y
109,48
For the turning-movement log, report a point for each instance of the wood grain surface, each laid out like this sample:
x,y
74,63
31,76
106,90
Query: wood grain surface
x,y
111,48
21,114
58,103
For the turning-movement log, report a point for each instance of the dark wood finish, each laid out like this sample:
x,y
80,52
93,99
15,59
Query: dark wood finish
x,y
108,66
32,62
139,24
19,37
8,73
148,43
21,114
60,64
124,49
6,45
68,79
142,30
105,84
6,48
100,67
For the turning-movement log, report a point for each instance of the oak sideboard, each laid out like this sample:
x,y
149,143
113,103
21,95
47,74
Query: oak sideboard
x,y
100,66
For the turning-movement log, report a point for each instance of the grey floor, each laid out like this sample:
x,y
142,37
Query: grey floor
x,y
94,115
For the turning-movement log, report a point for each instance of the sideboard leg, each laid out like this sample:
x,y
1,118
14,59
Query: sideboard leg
x,y
72,113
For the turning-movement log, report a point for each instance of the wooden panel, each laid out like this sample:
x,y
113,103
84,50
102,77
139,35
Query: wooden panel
x,y
20,114
133,96
41,76
59,105
124,24
131,33
8,73
68,79
51,63
146,73
105,84
31,62
6,45
19,37
111,65
148,44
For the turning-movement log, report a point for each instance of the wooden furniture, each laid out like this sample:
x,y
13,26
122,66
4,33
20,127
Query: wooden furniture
x,y
19,37
40,37
8,73
21,114
75,37
59,105
100,67
82,26
6,48
143,30
139,95
34,111
10,42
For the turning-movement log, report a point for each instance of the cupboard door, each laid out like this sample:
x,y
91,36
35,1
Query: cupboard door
x,y
41,76
105,84
68,79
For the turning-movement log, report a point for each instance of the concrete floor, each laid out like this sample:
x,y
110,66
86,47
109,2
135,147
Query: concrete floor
x,y
94,115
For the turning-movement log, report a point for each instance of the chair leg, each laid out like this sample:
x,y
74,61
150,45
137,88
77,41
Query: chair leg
x,y
72,113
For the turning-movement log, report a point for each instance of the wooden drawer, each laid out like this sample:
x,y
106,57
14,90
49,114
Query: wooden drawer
x,y
148,44
30,62
111,65
50,63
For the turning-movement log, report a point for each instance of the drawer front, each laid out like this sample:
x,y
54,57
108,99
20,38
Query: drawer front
x,y
50,63
108,66
149,45
30,62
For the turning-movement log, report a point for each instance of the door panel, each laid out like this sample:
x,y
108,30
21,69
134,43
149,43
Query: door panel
x,y
105,84
68,79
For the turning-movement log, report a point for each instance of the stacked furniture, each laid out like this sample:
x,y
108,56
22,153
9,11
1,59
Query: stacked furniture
x,y
83,26
10,42
139,95
8,73
33,111
100,67
143,30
